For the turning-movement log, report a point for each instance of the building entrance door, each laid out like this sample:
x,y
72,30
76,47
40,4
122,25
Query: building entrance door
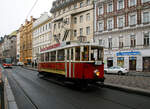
x,y
132,63
109,62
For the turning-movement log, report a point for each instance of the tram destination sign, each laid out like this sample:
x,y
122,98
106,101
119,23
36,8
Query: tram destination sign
x,y
50,47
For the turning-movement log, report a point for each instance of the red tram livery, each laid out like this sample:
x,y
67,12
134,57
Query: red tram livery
x,y
77,62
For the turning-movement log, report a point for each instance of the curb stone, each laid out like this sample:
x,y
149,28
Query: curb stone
x,y
128,89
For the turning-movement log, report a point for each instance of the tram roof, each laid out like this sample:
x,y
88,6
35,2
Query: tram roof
x,y
70,45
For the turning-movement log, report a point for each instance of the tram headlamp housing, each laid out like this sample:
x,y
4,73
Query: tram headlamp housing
x,y
96,72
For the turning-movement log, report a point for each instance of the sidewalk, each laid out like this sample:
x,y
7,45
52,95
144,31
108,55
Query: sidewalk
x,y
134,83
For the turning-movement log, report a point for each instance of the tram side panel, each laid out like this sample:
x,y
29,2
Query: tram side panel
x,y
74,70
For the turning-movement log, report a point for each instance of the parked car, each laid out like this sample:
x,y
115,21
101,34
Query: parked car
x,y
20,63
116,70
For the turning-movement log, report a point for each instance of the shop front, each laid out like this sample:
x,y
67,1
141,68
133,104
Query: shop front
x,y
109,62
146,64
132,63
120,61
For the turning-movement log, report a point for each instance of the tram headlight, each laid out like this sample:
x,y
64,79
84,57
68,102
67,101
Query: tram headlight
x,y
96,72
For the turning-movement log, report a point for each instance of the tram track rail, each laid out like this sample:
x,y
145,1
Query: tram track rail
x,y
23,91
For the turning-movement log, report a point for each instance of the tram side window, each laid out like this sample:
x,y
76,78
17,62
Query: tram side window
x,y
85,54
72,54
61,55
77,54
67,54
53,56
42,57
47,56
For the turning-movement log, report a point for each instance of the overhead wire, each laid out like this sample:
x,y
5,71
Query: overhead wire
x,y
32,8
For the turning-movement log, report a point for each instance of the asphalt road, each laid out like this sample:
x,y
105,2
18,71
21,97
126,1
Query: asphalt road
x,y
32,92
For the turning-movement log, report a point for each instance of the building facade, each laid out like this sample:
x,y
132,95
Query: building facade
x,y
72,20
18,47
1,49
9,46
42,35
26,41
123,27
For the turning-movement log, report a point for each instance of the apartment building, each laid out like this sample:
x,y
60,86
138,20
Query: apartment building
x,y
26,41
123,27
72,20
18,47
42,35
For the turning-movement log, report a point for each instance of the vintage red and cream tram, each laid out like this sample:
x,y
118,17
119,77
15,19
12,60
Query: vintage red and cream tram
x,y
74,61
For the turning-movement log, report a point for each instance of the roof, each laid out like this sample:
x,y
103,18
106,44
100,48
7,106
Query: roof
x,y
67,45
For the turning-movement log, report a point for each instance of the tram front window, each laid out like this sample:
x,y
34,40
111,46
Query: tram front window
x,y
96,54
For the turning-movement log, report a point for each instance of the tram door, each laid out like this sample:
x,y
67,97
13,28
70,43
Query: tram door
x,y
69,65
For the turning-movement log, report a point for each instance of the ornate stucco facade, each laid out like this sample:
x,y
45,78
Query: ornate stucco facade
x,y
26,41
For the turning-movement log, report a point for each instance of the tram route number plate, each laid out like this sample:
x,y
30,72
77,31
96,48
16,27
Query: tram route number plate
x,y
98,62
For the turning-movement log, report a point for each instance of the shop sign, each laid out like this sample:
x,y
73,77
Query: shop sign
x,y
120,58
128,53
132,58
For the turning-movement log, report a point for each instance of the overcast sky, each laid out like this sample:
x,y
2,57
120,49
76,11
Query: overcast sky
x,y
14,12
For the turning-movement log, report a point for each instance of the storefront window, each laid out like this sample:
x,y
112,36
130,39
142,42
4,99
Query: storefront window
x,y
120,61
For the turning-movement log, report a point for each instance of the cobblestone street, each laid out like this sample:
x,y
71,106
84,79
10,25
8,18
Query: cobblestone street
x,y
130,81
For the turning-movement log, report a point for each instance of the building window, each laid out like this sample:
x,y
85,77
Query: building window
x,y
75,20
110,7
88,17
120,22
59,25
81,18
64,10
146,17
75,5
87,2
121,42
100,26
75,33
49,25
133,19
133,40
120,4
54,26
81,31
100,42
146,39
144,1
87,30
109,42
100,10
109,24
81,4
132,2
